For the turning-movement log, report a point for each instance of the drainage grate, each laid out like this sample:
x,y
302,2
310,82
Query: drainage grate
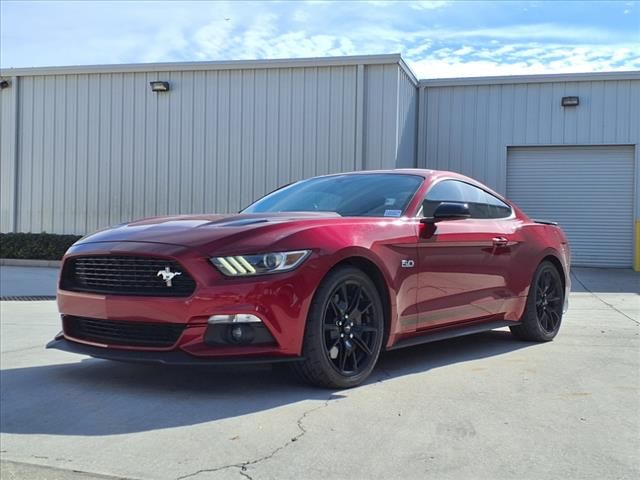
x,y
32,298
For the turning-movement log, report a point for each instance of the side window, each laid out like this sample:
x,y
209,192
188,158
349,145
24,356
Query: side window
x,y
497,208
445,191
481,204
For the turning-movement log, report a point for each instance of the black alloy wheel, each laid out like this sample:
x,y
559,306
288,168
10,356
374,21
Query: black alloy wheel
x,y
543,311
345,330
350,329
548,301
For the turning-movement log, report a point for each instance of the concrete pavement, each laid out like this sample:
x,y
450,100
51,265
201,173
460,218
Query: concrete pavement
x,y
480,407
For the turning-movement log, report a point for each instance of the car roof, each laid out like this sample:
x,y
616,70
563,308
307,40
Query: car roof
x,y
421,172
403,171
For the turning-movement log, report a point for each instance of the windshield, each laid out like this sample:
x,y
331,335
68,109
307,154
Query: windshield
x,y
351,195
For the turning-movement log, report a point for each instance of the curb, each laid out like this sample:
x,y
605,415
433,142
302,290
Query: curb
x,y
19,262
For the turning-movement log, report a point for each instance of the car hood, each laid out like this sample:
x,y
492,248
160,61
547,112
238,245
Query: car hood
x,y
211,233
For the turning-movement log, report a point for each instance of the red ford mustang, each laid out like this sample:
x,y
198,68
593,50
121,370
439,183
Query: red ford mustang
x,y
325,272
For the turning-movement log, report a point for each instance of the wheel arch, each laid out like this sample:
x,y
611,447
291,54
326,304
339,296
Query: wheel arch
x,y
555,261
375,274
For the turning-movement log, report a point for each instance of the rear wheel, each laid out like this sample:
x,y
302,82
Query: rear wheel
x,y
543,313
344,332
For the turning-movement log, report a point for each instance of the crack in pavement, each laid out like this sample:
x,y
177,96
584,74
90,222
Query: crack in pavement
x,y
246,475
244,465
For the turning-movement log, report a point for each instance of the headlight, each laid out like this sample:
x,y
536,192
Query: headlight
x,y
259,264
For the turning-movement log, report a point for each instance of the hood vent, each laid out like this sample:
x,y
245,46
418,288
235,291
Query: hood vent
x,y
238,223
269,217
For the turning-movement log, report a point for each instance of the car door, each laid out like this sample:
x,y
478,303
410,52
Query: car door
x,y
463,264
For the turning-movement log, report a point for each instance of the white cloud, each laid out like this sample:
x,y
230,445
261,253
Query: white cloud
x,y
456,40
212,40
418,50
416,5
301,16
255,41
429,4
541,31
523,60
464,51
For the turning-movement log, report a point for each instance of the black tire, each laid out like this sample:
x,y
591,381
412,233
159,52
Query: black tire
x,y
344,331
543,312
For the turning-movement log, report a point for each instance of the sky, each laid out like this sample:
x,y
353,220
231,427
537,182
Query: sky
x,y
436,38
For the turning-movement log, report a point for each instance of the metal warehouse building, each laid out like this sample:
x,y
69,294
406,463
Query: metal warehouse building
x,y
85,147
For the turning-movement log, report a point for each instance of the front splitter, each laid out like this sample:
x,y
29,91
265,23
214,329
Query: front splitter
x,y
174,357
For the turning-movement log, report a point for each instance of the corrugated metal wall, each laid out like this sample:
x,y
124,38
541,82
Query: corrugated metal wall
x,y
390,118
381,100
7,156
468,128
93,149
407,123
101,148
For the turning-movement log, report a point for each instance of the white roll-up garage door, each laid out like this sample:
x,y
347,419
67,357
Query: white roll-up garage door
x,y
587,190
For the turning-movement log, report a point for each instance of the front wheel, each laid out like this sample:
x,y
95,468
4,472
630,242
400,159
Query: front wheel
x,y
345,330
543,312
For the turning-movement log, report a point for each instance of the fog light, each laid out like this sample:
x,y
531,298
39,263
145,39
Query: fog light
x,y
225,331
236,334
237,318
240,334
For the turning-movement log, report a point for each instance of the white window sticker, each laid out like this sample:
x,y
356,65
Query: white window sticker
x,y
389,201
392,213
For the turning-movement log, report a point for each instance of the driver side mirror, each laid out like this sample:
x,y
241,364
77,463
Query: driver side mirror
x,y
448,211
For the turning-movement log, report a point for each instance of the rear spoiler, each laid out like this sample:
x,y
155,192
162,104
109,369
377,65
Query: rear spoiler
x,y
545,222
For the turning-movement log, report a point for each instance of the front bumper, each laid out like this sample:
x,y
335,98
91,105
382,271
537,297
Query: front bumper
x,y
280,301
174,357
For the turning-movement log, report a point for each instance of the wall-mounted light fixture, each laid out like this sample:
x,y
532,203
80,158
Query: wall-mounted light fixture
x,y
4,84
159,86
570,101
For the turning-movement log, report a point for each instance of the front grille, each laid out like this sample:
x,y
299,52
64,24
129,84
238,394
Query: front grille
x,y
132,334
125,275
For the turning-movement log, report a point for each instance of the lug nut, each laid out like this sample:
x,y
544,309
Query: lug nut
x,y
351,335
342,335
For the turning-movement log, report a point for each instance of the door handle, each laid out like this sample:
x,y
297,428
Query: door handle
x,y
500,241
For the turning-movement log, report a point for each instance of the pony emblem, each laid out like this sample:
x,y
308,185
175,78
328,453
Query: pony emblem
x,y
167,275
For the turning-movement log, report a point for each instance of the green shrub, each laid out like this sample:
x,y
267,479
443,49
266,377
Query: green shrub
x,y
38,246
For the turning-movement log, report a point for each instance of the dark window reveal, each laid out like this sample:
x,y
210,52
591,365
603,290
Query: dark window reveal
x,y
481,204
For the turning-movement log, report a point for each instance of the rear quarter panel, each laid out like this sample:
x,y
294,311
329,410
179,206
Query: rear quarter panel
x,y
538,242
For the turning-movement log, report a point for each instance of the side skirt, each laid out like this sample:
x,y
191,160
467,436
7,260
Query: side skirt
x,y
453,332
